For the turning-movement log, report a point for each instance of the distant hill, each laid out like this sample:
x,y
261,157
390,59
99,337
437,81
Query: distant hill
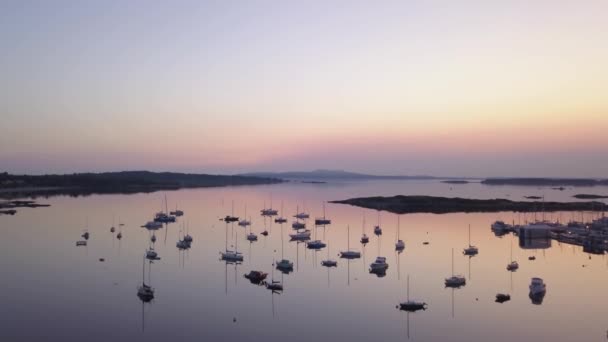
x,y
117,182
328,175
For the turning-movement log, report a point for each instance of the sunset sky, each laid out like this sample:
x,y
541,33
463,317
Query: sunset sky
x,y
461,88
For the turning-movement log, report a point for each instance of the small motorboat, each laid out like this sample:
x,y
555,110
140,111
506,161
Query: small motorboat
x,y
532,257
425,243
501,297
252,237
81,243
378,264
316,244
512,266
329,263
364,239
229,218
322,222
265,233
412,306
256,277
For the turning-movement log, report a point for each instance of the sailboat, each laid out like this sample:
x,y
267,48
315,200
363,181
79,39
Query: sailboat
x,y
284,265
145,292
231,256
275,286
177,212
301,215
280,219
513,265
377,229
231,217
164,217
251,237
348,254
455,280
399,245
471,250
364,237
323,220
329,262
411,305
244,222
112,229
269,211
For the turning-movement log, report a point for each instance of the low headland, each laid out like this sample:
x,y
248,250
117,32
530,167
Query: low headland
x,y
554,182
443,205
77,184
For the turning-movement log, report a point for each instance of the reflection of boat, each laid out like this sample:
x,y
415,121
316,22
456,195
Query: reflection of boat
x,y
471,250
323,220
455,280
502,297
411,305
348,254
256,277
379,264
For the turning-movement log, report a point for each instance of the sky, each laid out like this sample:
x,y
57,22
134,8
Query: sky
x,y
458,88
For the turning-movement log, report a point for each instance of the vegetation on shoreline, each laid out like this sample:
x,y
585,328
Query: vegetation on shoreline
x,y
589,196
116,182
442,205
546,182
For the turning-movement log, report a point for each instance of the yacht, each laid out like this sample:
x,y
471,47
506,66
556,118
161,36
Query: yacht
x,y
151,254
399,245
256,277
152,225
269,212
379,264
499,226
280,220
177,212
348,254
537,287
303,235
164,218
298,225
284,265
301,215
231,256
145,292
188,238
455,280
471,250
181,244
316,244
329,262
244,223
364,239
230,218
322,221
411,305
377,229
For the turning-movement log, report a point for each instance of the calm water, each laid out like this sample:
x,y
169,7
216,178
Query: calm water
x,y
53,290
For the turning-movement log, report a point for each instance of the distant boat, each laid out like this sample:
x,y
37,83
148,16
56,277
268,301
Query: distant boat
x,y
231,217
316,244
153,238
532,257
151,254
119,235
284,265
323,220
244,222
455,280
177,212
348,254
537,287
329,262
399,245
85,235
256,277
228,255
303,235
251,237
81,243
502,297
152,225
280,219
274,286
513,265
269,211
298,225
411,305
301,215
471,250
164,218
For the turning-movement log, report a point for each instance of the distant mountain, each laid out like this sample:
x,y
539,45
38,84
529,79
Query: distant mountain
x,y
327,175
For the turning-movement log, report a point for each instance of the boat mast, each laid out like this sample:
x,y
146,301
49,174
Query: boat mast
x,y
348,238
398,228
452,261
469,235
408,287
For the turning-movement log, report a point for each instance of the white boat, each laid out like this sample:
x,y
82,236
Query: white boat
x,y
379,264
348,254
455,280
399,245
471,250
316,244
411,305
537,287
304,235
153,225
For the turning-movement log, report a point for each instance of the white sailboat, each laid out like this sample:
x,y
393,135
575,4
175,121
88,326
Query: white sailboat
x,y
455,280
471,250
513,265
